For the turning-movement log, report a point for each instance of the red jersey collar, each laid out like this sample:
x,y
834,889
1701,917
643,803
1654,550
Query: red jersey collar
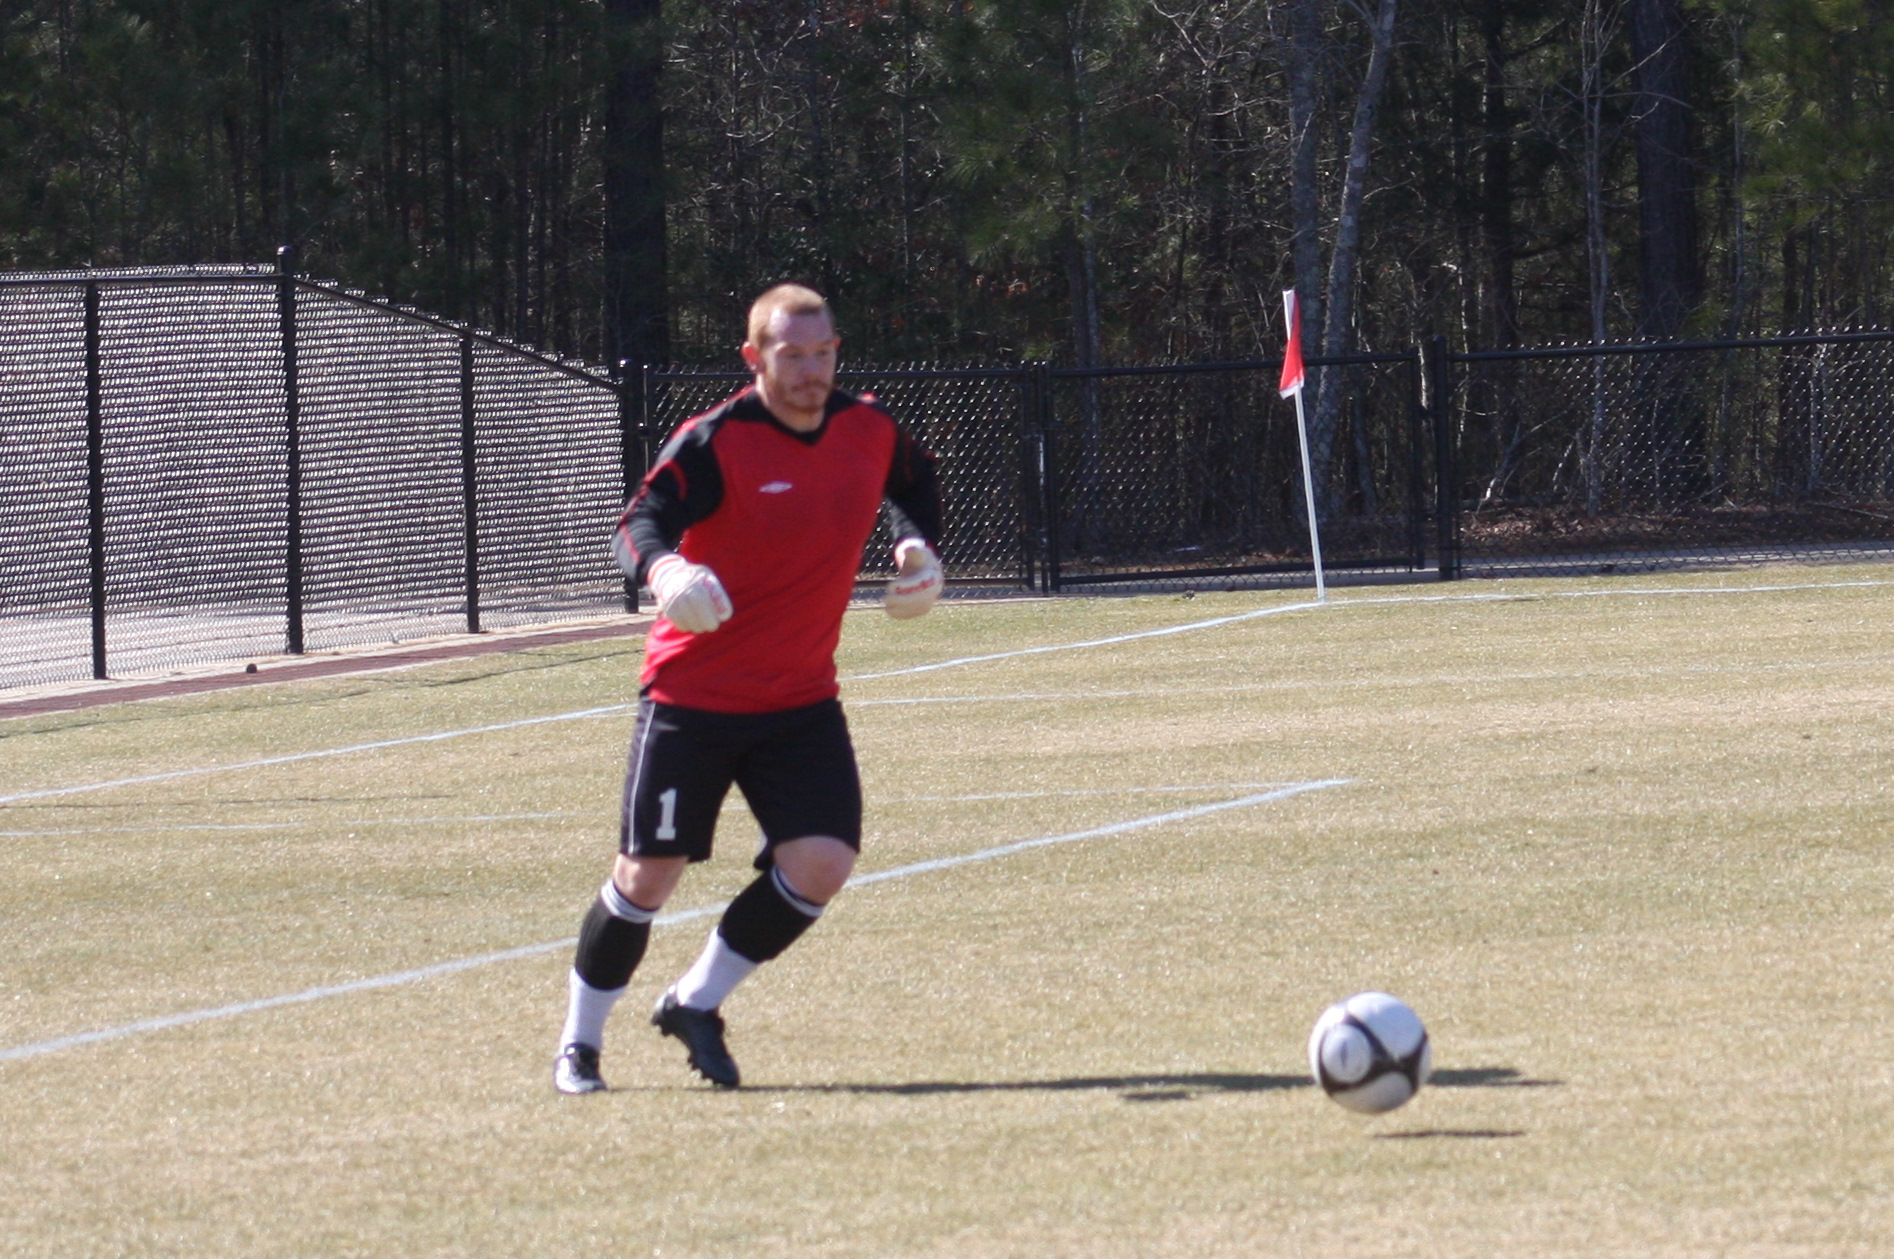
x,y
748,405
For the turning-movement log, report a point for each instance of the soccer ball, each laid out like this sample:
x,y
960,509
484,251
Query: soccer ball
x,y
1370,1052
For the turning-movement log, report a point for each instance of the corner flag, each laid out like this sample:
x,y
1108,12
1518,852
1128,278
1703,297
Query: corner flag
x,y
1292,357
1292,378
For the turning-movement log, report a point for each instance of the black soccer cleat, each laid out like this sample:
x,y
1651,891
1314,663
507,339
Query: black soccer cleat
x,y
577,1070
702,1034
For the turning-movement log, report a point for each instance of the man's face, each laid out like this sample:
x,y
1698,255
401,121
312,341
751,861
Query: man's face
x,y
796,364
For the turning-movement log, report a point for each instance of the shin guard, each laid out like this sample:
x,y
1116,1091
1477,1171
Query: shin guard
x,y
612,939
766,918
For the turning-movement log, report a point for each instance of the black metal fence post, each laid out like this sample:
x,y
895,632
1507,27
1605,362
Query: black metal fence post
x,y
1026,445
1438,381
469,484
631,456
1416,462
95,476
1048,485
293,467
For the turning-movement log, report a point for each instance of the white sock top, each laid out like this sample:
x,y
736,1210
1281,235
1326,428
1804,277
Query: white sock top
x,y
586,1010
717,970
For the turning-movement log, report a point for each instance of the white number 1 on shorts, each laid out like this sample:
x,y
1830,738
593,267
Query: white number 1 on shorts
x,y
667,822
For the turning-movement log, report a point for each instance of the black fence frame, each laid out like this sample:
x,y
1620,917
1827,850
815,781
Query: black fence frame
x,y
1444,373
1041,566
1431,376
287,285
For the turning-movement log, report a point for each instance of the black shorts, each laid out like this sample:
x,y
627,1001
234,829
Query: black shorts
x,y
796,770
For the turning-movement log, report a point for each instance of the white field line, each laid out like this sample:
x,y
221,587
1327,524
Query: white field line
x,y
732,805
1333,684
438,969
1077,791
292,757
162,828
1497,597
1187,627
1115,639
737,805
1097,832
270,1003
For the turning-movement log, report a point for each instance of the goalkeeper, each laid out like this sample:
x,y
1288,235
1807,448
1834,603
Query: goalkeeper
x,y
749,530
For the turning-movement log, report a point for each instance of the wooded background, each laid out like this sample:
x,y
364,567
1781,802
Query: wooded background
x,y
1087,181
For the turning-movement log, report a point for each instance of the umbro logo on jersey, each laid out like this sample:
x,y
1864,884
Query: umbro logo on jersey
x,y
776,487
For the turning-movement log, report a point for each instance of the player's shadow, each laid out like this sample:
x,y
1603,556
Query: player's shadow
x,y
1135,1088
1151,1088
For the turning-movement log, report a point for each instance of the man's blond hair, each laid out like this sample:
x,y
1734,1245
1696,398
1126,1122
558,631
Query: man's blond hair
x,y
791,299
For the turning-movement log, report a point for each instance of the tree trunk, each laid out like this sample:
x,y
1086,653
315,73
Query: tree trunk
x,y
1597,33
1496,181
450,173
1305,192
636,329
1670,272
1081,266
821,161
1339,317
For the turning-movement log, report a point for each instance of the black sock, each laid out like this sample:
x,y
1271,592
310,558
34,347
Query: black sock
x,y
610,947
763,921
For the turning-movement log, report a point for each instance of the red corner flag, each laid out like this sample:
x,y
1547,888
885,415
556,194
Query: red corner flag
x,y
1292,356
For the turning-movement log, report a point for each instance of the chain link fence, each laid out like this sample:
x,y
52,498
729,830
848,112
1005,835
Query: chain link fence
x,y
970,418
1187,474
1634,457
231,462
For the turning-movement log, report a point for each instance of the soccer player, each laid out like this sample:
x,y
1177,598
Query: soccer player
x,y
749,531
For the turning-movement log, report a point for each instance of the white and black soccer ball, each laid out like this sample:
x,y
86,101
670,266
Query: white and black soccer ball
x,y
1370,1052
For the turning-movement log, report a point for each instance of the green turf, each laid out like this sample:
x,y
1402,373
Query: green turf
x,y
1627,854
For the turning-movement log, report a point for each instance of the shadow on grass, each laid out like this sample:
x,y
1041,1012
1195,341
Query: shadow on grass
x,y
1486,1078
1137,1088
1149,1088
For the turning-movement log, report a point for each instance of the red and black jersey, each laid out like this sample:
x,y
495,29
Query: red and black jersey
x,y
781,517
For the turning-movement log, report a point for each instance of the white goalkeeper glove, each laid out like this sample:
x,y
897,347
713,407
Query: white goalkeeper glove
x,y
912,590
689,595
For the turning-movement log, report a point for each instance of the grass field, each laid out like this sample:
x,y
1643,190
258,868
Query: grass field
x,y
1624,844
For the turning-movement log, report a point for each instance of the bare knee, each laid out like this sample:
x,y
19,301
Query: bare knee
x,y
647,882
816,866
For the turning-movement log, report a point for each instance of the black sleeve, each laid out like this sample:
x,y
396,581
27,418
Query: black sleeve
x,y
683,487
913,492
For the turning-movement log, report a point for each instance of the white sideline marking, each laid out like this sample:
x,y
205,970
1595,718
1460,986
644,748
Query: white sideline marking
x,y
1090,642
160,829
292,757
1097,832
270,1003
1079,791
397,978
735,805
609,709
1017,696
1497,597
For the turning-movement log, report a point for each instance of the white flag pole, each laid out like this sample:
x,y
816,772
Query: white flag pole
x,y
1308,477
1308,493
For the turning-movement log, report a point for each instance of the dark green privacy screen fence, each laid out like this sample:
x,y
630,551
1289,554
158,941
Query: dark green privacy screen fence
x,y
231,462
